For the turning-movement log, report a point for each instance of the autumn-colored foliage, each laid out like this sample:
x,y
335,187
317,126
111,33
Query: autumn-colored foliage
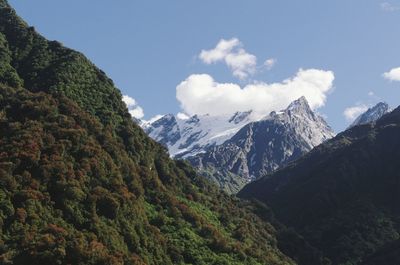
x,y
80,182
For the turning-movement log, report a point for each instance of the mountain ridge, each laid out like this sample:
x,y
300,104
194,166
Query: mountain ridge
x,y
256,148
81,183
372,114
342,196
188,137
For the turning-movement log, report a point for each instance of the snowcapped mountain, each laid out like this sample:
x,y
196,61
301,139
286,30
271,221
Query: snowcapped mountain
x,y
233,150
261,147
188,137
372,114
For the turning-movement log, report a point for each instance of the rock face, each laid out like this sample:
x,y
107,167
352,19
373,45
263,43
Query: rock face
x,y
189,137
343,196
233,151
261,147
372,114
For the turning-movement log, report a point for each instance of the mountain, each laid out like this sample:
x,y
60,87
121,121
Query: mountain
x,y
189,137
81,183
233,150
372,114
343,196
263,146
388,255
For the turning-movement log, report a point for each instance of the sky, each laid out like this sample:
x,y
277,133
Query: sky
x,y
216,57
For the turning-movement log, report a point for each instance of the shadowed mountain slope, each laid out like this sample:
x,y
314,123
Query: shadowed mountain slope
x,y
343,196
81,183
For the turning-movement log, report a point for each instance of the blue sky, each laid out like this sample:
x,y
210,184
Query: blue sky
x,y
149,47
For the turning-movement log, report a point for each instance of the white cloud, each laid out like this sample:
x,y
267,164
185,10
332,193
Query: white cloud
x,y
371,93
200,94
389,7
219,53
352,113
137,112
129,101
241,63
393,75
182,116
269,63
134,109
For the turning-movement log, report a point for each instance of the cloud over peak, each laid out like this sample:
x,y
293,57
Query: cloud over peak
x,y
351,113
201,94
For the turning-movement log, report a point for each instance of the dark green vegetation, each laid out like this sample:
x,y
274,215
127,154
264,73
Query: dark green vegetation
x,y
388,255
344,196
80,183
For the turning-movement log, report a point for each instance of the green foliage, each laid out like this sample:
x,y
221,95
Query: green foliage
x,y
80,183
343,196
50,67
8,75
389,254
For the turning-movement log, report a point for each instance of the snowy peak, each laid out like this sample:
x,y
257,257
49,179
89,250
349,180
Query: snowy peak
x,y
164,130
166,119
235,149
238,117
301,119
304,122
193,120
308,125
188,137
372,114
185,138
262,146
299,105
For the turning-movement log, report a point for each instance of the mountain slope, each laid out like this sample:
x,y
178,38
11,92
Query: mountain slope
x,y
342,196
261,147
80,183
189,137
71,194
388,255
372,114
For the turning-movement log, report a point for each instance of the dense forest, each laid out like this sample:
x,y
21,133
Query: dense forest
x,y
80,182
343,197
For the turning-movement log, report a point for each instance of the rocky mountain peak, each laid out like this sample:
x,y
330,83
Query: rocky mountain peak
x,y
168,118
260,147
185,138
299,104
241,144
239,116
193,120
372,114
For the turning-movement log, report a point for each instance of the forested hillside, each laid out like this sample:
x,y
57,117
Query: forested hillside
x,y
343,196
80,183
